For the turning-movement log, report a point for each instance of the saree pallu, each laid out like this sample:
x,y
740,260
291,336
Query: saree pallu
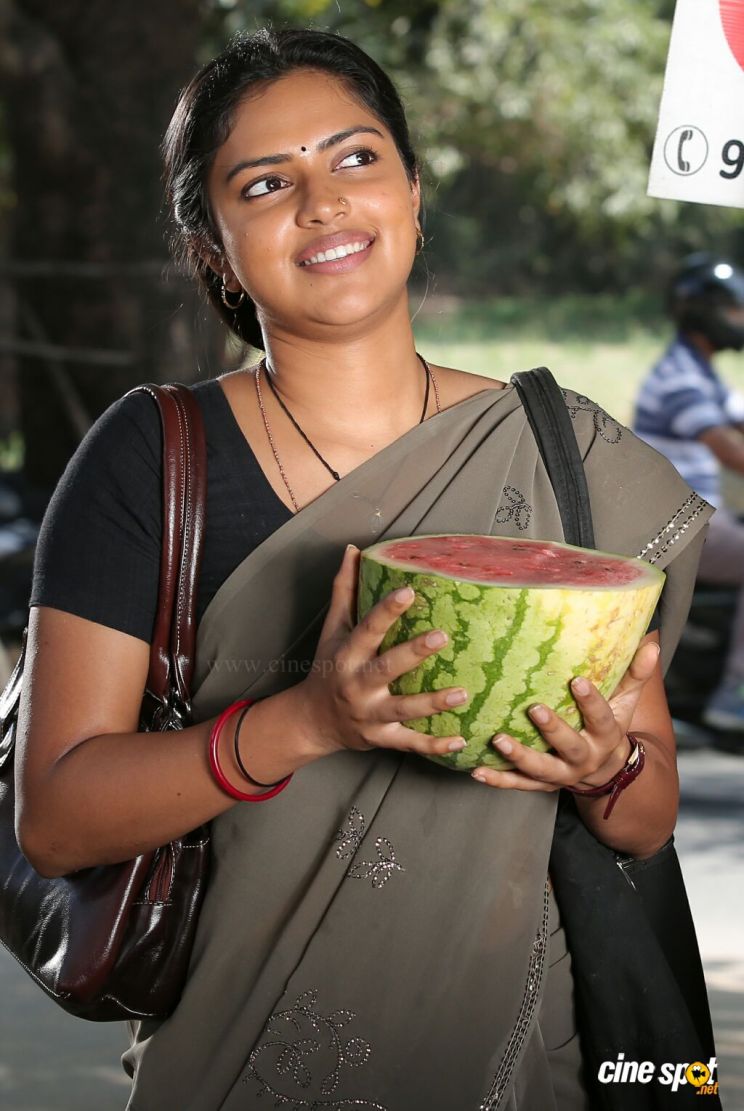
x,y
375,937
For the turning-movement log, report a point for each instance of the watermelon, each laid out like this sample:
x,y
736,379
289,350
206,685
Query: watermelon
x,y
523,618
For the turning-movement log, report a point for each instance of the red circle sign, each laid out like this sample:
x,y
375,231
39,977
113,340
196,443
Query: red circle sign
x,y
732,18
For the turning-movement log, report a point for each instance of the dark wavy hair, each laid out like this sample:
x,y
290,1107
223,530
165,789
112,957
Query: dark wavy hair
x,y
204,117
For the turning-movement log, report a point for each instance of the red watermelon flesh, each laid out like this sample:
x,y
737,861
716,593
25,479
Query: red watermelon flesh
x,y
490,559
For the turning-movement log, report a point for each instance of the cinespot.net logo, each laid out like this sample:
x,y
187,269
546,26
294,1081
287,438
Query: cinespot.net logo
x,y
672,1075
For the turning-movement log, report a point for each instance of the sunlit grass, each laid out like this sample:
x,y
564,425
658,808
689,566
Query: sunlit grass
x,y
600,346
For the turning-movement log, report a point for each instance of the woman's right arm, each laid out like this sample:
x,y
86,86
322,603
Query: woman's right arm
x,y
92,790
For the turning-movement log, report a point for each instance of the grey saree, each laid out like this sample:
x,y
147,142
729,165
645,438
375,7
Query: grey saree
x,y
377,936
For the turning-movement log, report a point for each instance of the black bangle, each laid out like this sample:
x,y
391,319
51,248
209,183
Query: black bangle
x,y
238,760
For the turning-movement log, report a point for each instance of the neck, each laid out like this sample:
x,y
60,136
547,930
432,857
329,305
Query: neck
x,y
701,343
362,385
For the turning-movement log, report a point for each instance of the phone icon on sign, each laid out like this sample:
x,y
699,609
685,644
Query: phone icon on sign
x,y
686,150
684,138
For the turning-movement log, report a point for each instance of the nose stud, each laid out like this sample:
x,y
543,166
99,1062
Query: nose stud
x,y
342,200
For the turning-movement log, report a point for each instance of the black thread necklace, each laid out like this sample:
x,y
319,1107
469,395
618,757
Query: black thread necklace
x,y
263,365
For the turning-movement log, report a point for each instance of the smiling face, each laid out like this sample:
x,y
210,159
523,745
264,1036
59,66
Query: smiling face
x,y
314,209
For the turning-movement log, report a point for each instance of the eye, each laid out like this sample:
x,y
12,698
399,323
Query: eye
x,y
263,186
362,157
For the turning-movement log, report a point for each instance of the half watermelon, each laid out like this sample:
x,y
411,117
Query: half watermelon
x,y
523,617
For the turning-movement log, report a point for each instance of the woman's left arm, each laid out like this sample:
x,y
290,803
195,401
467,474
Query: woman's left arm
x,y
645,814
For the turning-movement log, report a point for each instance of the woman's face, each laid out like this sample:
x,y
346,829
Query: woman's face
x,y
307,170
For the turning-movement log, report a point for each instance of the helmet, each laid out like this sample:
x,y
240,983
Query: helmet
x,y
707,296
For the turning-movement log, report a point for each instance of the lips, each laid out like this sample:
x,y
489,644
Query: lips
x,y
350,242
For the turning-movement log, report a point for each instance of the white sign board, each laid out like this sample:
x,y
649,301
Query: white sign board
x,y
699,149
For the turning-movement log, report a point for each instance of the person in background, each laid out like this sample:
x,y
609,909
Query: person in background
x,y
687,412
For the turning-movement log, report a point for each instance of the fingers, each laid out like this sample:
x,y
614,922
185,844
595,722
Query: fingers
x,y
343,594
514,780
576,755
406,707
629,690
399,659
367,636
548,771
397,736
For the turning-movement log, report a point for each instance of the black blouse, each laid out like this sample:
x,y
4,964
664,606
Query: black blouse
x,y
98,553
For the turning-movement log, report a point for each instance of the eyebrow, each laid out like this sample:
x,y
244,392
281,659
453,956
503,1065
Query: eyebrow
x,y
278,159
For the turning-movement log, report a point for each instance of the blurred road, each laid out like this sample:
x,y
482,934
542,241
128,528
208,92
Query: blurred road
x,y
51,1062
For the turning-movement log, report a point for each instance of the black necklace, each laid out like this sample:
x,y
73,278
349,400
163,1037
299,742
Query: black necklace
x,y
309,442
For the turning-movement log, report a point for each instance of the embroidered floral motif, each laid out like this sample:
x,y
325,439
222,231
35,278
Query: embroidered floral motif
x,y
604,425
675,528
517,509
380,870
350,838
301,1047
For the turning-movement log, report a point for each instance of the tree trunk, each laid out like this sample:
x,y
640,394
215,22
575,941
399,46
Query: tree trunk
x,y
90,89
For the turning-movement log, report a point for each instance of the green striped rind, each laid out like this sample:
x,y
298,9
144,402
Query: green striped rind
x,y
509,647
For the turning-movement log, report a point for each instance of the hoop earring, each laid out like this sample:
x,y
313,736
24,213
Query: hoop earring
x,y
419,240
233,306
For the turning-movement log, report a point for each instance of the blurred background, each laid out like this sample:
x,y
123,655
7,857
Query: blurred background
x,y
534,123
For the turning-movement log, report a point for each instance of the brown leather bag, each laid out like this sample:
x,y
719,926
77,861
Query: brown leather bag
x,y
113,942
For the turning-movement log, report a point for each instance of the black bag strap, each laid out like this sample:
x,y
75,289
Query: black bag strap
x,y
593,894
551,426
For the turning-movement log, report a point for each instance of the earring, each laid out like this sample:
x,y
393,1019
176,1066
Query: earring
x,y
419,239
233,306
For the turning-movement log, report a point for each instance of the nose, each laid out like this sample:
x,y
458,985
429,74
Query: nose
x,y
320,204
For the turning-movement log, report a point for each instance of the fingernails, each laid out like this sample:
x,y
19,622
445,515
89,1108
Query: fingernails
x,y
479,776
405,594
539,714
457,745
350,548
503,744
581,685
435,639
454,698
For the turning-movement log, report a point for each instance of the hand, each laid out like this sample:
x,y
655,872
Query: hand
x,y
345,698
589,758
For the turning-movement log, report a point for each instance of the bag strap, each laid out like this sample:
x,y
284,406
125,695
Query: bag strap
x,y
184,513
553,430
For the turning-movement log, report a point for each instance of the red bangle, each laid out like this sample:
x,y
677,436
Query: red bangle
x,y
614,787
214,760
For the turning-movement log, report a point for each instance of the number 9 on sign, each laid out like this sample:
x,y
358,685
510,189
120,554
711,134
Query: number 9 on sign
x,y
733,158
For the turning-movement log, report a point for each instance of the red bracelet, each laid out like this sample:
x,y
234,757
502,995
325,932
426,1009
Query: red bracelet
x,y
214,760
614,787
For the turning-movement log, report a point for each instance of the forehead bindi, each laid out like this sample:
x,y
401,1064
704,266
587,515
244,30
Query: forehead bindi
x,y
293,116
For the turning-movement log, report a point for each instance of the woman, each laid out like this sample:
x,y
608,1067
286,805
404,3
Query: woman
x,y
380,934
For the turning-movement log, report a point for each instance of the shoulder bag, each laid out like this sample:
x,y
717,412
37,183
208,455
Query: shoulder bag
x,y
638,977
113,942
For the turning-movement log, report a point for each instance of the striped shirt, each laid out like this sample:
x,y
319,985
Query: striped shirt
x,y
681,398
